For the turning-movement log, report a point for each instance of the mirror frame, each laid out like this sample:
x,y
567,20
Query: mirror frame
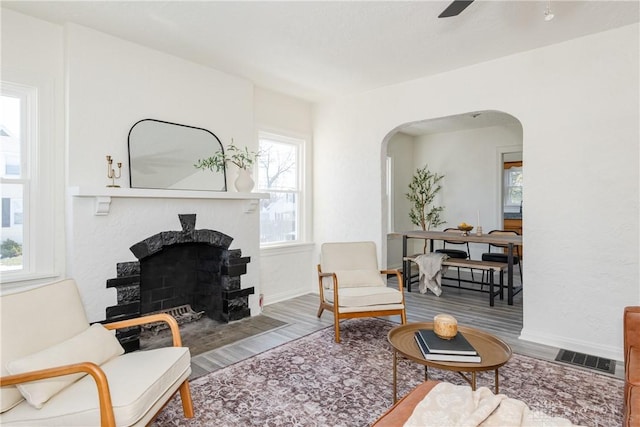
x,y
221,147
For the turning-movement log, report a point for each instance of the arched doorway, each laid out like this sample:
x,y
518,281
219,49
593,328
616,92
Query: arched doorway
x,y
470,150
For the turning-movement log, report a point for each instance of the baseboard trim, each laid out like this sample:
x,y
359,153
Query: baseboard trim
x,y
580,346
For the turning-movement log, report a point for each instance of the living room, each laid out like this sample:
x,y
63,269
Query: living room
x,y
577,101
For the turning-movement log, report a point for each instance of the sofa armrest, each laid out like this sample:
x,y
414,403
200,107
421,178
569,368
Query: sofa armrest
x,y
107,417
403,409
151,318
631,328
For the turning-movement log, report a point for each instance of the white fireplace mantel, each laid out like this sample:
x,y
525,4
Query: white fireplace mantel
x,y
104,195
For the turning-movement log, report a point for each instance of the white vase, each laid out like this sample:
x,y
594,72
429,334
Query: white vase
x,y
244,183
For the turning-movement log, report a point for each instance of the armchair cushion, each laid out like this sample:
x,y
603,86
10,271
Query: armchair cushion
x,y
96,344
365,296
30,314
349,256
358,278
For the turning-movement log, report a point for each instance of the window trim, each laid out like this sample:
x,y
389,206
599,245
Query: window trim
x,y
303,222
42,220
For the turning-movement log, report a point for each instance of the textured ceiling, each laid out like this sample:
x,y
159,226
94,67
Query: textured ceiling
x,y
317,50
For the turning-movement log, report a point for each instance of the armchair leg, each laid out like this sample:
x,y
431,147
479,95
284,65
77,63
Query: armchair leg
x,y
320,310
336,329
185,396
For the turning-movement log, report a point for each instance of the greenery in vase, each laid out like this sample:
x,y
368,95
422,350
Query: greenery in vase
x,y
423,189
242,158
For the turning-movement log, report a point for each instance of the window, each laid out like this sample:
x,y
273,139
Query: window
x,y
513,181
15,132
280,173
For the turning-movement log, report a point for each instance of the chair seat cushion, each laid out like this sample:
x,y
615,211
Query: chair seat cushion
x,y
365,296
453,253
499,257
136,381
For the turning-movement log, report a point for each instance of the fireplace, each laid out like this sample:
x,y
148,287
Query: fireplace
x,y
175,269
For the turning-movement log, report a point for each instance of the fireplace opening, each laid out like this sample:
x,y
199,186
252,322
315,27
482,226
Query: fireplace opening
x,y
189,274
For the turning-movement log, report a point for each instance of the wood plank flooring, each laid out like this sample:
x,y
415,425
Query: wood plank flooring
x,y
471,308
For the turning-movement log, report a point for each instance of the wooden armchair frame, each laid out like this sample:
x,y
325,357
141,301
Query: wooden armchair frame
x,y
335,307
107,417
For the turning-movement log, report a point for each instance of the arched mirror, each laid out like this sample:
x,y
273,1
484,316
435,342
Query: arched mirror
x,y
163,154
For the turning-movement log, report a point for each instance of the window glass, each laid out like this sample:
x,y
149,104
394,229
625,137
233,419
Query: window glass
x,y
513,186
279,174
12,122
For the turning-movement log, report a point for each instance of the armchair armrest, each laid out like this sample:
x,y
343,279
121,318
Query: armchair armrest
x,y
398,275
107,417
321,274
151,318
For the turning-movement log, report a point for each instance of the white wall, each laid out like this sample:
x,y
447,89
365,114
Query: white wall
x,y
113,83
401,151
578,105
289,271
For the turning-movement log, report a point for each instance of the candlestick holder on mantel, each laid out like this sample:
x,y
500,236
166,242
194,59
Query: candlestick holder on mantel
x,y
111,174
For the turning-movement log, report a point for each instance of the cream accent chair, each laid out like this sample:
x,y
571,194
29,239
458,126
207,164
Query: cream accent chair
x,y
351,284
48,348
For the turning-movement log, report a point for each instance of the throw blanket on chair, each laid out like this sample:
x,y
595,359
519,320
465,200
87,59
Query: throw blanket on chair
x,y
456,405
431,270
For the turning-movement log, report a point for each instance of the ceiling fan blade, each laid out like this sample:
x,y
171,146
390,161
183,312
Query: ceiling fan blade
x,y
455,8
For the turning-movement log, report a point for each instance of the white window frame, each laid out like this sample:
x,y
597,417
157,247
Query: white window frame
x,y
41,238
302,190
508,186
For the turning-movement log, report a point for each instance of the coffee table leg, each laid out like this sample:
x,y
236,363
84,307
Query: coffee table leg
x,y
395,376
473,380
426,372
497,385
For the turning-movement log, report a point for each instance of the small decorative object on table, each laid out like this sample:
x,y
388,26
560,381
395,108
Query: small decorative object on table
x,y
445,326
465,228
111,174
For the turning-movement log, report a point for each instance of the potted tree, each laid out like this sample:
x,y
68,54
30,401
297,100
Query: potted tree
x,y
243,159
423,188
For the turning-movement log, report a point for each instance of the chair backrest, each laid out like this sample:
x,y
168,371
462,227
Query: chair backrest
x,y
35,319
355,263
454,230
505,233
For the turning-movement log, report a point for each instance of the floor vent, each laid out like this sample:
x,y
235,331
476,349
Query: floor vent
x,y
587,361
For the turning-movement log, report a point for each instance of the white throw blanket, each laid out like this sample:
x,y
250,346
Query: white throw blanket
x,y
448,405
431,271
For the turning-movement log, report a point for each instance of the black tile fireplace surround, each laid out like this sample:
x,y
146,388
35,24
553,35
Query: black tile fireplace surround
x,y
176,268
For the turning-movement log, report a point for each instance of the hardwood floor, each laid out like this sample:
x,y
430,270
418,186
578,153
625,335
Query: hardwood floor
x,y
471,308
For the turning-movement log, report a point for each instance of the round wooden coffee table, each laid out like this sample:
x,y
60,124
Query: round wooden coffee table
x,y
493,351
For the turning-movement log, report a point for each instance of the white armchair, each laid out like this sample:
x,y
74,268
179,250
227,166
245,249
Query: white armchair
x,y
351,285
48,348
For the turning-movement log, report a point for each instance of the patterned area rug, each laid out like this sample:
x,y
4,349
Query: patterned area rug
x,y
315,382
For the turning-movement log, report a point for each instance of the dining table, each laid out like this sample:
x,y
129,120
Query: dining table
x,y
508,241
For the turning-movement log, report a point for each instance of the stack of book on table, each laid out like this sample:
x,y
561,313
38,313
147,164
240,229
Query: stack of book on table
x,y
457,349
